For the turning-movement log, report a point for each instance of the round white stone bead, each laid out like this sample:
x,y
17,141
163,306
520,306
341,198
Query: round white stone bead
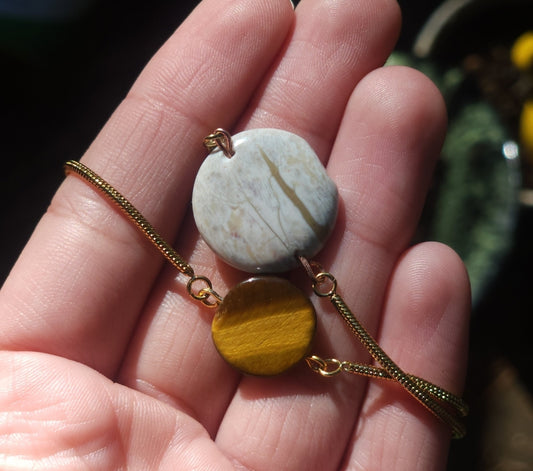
x,y
266,204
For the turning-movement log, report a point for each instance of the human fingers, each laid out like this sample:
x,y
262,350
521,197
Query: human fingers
x,y
425,329
57,414
333,46
382,161
172,355
80,283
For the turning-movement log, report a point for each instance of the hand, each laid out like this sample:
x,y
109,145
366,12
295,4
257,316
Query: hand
x,y
108,364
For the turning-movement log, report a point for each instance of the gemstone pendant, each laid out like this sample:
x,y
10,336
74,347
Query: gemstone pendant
x,y
264,326
272,200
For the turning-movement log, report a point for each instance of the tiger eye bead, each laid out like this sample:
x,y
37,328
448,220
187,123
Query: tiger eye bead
x,y
264,326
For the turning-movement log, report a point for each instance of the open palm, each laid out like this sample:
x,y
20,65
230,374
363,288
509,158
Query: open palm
x,y
106,362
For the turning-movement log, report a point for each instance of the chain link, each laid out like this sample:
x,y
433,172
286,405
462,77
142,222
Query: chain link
x,y
222,139
328,367
205,295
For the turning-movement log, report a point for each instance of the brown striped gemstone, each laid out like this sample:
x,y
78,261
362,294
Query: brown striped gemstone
x,y
264,326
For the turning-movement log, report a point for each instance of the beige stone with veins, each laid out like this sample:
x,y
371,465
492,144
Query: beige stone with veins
x,y
271,201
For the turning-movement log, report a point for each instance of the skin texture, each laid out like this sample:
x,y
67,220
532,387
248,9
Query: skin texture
x,y
107,364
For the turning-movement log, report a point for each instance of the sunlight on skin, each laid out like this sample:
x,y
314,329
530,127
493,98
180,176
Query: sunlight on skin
x,y
106,362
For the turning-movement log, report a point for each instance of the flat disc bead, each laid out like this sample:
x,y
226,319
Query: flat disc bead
x,y
269,202
264,326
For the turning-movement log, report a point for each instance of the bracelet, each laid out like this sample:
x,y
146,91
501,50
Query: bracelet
x,y
264,204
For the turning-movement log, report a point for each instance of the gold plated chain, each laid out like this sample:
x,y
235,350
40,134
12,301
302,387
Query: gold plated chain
x,y
443,404
205,294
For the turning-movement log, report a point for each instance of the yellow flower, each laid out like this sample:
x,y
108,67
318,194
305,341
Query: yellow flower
x,y
522,51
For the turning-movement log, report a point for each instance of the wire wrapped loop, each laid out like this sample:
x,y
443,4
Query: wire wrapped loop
x,y
206,294
222,139
328,367
325,285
